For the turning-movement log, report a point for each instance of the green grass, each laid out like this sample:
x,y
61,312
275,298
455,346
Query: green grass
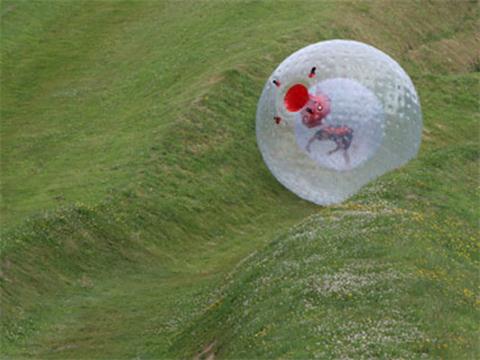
x,y
88,90
132,185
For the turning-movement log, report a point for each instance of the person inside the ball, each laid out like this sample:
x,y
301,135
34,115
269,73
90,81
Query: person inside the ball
x,y
342,136
313,110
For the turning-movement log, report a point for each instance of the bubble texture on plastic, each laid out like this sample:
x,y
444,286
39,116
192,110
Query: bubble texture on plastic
x,y
374,120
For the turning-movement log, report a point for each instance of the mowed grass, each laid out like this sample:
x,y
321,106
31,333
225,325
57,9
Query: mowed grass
x,y
188,197
88,87
137,118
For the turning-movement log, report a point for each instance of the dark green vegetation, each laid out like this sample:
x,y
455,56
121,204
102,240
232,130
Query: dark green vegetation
x,y
132,186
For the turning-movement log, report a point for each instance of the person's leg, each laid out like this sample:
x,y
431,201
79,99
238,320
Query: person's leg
x,y
336,149
348,141
346,156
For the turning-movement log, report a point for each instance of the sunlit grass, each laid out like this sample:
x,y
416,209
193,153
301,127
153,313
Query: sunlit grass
x,y
132,185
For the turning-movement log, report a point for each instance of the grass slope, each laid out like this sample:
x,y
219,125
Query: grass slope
x,y
393,273
143,130
197,168
88,87
375,278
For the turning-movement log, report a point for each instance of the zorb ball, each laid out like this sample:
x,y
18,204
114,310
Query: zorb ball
x,y
334,116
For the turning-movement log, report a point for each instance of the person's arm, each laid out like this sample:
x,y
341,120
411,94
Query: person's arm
x,y
312,139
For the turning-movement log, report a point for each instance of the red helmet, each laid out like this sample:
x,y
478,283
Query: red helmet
x,y
316,109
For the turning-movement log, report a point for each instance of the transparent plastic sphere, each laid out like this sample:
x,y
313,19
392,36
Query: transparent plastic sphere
x,y
334,116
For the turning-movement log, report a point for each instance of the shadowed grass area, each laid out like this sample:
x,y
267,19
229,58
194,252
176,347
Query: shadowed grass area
x,y
133,123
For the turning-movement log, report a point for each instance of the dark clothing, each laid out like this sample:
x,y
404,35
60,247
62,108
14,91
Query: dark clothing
x,y
341,135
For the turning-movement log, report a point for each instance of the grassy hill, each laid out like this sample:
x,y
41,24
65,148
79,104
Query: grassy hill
x,y
132,187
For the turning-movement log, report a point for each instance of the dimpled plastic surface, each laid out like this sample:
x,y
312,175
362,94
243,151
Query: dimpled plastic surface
x,y
369,93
